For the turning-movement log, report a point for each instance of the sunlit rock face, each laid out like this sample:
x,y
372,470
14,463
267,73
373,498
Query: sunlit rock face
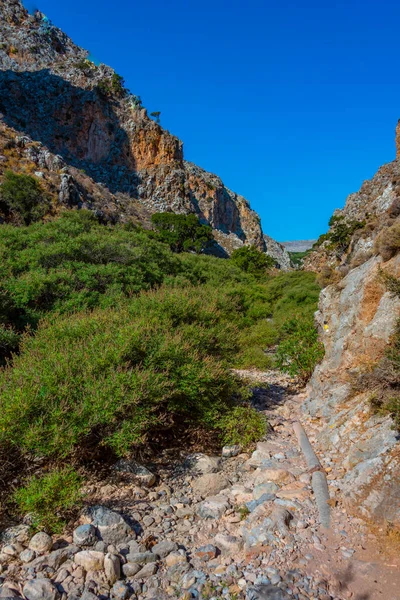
x,y
358,315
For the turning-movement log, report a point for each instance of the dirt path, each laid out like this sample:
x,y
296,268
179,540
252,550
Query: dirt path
x,y
359,563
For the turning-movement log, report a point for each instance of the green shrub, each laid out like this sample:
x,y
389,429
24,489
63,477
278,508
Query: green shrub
x,y
117,84
300,351
104,87
9,342
340,234
297,258
392,283
242,425
49,498
182,232
251,260
387,243
112,375
23,195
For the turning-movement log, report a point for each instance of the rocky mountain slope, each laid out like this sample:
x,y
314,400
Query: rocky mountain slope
x,y
358,262
73,124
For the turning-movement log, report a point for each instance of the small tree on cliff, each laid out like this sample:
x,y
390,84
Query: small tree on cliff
x,y
156,114
183,233
252,260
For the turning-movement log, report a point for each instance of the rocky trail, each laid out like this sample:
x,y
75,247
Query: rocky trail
x,y
240,526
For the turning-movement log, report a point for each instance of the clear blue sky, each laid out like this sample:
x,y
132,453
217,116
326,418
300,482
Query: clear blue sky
x,y
293,104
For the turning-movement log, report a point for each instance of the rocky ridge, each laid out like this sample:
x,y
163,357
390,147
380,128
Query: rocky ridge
x,y
103,150
358,315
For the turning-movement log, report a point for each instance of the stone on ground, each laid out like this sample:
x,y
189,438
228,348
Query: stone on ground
x,y
40,589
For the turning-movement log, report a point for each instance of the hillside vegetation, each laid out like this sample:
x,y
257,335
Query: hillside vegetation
x,y
109,338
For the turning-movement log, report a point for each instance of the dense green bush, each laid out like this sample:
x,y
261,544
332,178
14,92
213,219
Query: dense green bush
x,y
9,342
182,233
23,196
47,498
117,373
242,425
74,263
300,350
251,260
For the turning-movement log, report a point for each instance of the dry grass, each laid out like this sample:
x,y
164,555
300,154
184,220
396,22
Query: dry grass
x,y
387,243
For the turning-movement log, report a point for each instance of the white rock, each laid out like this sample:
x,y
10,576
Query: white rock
x,y
90,560
41,543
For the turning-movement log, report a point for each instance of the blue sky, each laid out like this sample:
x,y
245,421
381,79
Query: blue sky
x,y
292,104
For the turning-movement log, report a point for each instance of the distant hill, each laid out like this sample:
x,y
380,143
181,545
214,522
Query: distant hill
x,y
298,245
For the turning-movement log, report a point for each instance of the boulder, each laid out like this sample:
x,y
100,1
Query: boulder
x,y
112,527
141,474
146,572
201,463
142,558
90,560
130,569
112,568
228,544
265,488
53,560
265,592
40,589
162,549
230,451
85,535
41,543
27,555
120,591
210,484
175,558
213,507
207,552
276,475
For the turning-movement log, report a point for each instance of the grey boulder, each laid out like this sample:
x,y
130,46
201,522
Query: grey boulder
x,y
112,527
40,589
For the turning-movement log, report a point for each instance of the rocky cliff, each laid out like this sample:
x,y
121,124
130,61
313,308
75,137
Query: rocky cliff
x,y
91,141
358,313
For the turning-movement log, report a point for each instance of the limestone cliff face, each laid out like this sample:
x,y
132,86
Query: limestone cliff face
x,y
51,94
357,318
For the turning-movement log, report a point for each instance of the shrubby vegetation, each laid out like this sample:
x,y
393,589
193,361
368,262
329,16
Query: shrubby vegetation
x,y
340,234
22,196
301,350
47,499
387,243
382,381
297,258
251,260
183,233
112,338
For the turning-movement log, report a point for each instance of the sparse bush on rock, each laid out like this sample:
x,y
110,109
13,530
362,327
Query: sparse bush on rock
x,y
387,243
